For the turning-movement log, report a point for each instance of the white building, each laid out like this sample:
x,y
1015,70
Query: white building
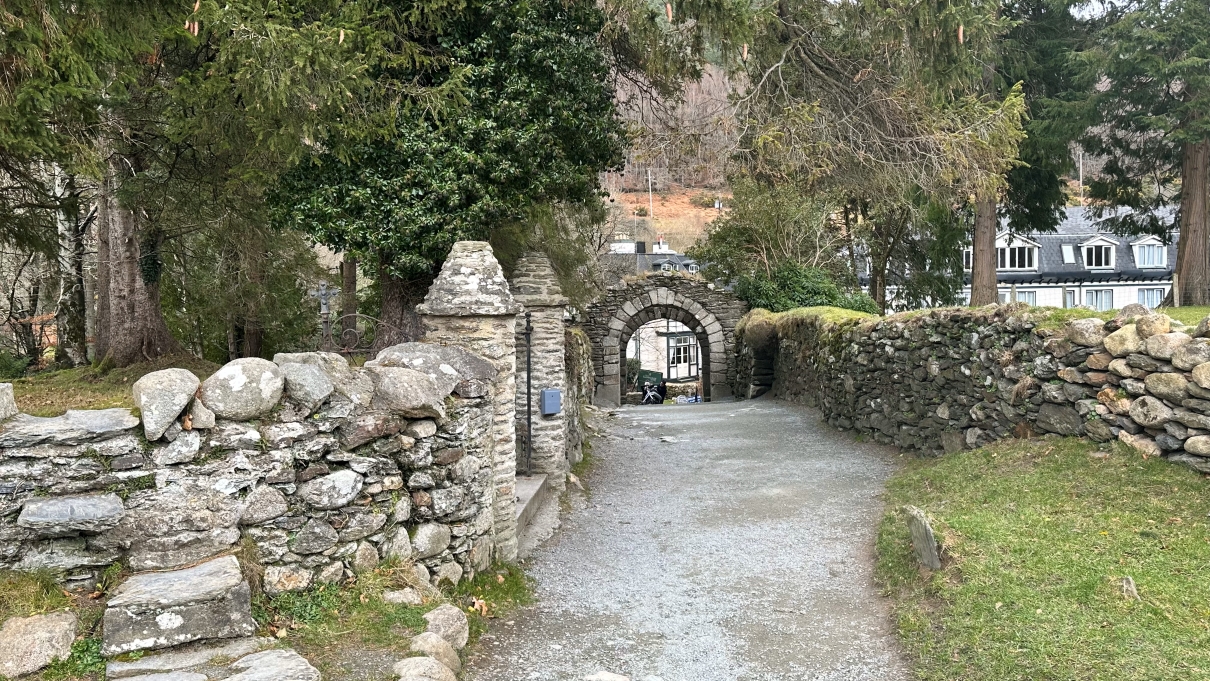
x,y
667,347
1081,263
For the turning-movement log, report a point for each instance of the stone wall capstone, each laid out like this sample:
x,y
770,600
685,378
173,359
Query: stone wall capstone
x,y
710,312
944,380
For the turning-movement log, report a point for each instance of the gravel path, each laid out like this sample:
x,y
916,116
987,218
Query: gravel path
x,y
740,549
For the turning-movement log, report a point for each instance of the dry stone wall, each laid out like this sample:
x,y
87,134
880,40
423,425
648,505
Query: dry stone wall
x,y
952,379
323,470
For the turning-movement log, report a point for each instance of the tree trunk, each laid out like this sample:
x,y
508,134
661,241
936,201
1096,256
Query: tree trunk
x,y
983,251
72,345
348,293
26,331
130,324
1193,251
400,323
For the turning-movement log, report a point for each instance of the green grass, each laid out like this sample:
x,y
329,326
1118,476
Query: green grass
x,y
51,393
500,590
329,616
23,594
1189,316
1037,537
1056,317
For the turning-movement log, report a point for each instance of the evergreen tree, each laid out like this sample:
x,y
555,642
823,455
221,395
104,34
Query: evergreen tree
x,y
535,123
1152,107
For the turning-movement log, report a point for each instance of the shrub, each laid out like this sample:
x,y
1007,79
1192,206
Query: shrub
x,y
794,285
12,366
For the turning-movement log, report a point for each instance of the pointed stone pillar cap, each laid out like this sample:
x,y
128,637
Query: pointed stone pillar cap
x,y
535,283
470,284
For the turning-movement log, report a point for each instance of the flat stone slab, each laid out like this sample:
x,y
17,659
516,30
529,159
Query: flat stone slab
x,y
77,426
194,656
28,644
532,491
171,676
163,609
274,665
67,516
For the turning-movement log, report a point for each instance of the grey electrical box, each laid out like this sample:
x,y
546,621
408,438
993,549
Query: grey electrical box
x,y
551,402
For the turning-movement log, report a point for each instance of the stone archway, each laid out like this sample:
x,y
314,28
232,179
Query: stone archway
x,y
710,313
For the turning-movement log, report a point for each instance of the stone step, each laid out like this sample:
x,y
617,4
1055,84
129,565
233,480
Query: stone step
x,y
532,492
153,610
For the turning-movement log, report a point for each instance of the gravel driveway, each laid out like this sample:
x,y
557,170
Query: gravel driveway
x,y
720,541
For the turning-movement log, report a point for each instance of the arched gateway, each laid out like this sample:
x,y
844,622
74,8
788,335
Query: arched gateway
x,y
710,313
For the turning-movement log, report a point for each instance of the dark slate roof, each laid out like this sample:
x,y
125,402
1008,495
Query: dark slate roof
x,y
1078,227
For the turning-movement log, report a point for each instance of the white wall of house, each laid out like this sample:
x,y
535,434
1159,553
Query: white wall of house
x,y
1052,295
650,344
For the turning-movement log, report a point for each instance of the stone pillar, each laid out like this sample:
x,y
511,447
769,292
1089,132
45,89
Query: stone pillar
x,y
536,287
470,305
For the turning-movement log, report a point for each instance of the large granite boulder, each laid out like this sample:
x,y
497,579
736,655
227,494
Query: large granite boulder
x,y
68,516
316,536
279,579
454,368
1059,419
163,609
76,427
423,669
262,505
430,540
1153,324
1164,345
1125,341
28,644
1149,412
1171,387
161,396
354,385
1087,332
449,623
432,645
407,392
307,384
1201,375
331,491
244,389
1191,354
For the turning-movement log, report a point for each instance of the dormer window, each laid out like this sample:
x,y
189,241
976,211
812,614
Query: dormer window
x,y
1016,258
1012,253
1099,253
1150,253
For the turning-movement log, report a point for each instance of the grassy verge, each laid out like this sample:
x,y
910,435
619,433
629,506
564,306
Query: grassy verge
x,y
333,624
51,393
27,594
1189,316
1038,537
328,622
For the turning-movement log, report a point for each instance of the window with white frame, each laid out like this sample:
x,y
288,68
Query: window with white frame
x,y
1069,300
1150,254
966,260
682,356
1016,258
1098,256
1027,297
1151,297
1069,254
1099,299
667,267
692,267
